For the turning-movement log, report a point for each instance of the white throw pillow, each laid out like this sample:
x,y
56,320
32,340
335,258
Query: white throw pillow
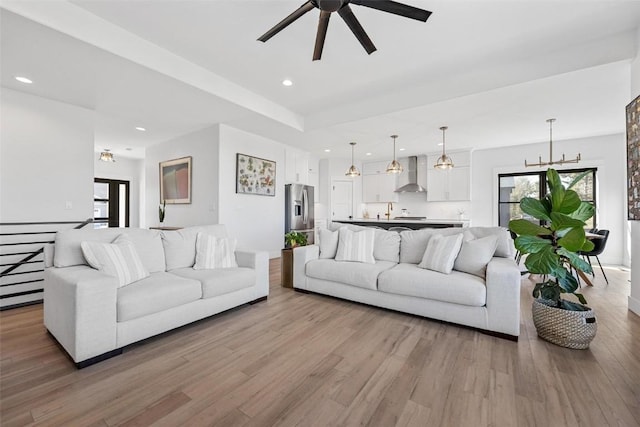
x,y
328,243
356,246
214,252
118,259
475,254
441,253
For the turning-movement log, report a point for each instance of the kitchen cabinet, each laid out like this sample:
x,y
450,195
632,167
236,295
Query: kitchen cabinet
x,y
377,185
296,166
452,184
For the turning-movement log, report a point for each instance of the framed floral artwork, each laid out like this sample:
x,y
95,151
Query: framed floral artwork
x,y
175,181
255,175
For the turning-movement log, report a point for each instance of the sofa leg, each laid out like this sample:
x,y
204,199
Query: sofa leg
x,y
258,300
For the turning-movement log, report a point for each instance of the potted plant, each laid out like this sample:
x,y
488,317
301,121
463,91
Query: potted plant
x,y
295,238
552,251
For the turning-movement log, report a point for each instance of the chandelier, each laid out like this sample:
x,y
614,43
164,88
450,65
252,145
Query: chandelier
x,y
551,161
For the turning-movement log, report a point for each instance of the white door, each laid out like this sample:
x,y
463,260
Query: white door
x,y
341,199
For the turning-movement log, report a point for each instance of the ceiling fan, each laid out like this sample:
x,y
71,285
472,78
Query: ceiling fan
x,y
342,7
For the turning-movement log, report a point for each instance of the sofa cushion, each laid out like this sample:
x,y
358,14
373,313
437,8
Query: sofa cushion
x,y
456,288
328,243
118,259
355,246
357,274
386,244
441,253
475,254
413,243
147,244
220,281
214,252
505,247
156,293
180,245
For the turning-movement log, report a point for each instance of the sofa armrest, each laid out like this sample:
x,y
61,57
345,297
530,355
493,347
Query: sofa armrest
x,y
301,256
80,310
259,261
503,295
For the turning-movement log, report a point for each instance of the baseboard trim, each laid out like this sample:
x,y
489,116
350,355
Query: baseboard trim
x,y
502,335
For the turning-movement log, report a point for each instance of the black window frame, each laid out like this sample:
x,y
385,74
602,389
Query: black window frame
x,y
542,175
112,219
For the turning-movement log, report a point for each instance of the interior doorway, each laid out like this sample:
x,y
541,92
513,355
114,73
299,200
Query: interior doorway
x,y
342,199
110,203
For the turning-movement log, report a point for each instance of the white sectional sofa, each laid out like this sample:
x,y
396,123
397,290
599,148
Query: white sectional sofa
x,y
489,300
93,318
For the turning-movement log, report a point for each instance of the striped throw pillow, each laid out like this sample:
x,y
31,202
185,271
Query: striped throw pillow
x,y
356,246
214,252
119,259
441,253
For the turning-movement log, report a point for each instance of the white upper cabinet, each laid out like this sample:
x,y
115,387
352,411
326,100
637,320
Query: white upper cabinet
x,y
377,185
296,166
452,184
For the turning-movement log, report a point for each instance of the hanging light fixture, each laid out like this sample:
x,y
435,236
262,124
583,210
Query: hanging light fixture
x,y
394,166
551,161
353,170
444,161
107,156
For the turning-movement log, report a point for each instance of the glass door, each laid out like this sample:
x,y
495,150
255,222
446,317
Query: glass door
x,y
110,203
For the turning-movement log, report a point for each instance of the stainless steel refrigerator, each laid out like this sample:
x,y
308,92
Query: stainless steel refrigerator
x,y
299,207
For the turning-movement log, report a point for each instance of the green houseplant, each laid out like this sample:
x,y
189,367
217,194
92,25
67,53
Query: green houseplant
x,y
552,250
295,238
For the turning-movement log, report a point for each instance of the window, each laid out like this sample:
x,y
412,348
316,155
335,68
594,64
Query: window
x,y
514,186
110,203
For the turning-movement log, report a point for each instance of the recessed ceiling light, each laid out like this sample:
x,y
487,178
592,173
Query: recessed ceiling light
x,y
24,80
402,149
141,129
368,154
287,82
327,150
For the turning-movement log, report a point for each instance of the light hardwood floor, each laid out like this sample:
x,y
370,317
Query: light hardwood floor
x,y
310,360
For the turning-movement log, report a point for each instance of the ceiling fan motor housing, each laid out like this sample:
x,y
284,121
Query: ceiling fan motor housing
x,y
329,5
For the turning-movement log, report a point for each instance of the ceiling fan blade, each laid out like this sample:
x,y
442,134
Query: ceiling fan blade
x,y
323,24
286,21
396,8
351,20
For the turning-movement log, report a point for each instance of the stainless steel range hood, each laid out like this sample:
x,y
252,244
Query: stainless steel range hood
x,y
412,171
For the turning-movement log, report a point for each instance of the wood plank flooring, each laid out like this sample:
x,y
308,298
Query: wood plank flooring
x,y
309,360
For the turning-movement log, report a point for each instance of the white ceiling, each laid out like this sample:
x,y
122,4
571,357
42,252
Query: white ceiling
x,y
492,71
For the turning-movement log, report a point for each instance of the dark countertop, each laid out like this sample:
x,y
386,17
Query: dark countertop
x,y
413,224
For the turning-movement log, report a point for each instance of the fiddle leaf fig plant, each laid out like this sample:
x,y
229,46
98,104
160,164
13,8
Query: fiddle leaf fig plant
x,y
553,248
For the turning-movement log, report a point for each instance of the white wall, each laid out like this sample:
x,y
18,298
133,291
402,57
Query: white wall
x,y
125,169
202,146
256,221
634,297
46,160
607,153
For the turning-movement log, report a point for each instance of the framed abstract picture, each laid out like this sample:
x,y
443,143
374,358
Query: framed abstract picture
x,y
175,181
255,175
633,159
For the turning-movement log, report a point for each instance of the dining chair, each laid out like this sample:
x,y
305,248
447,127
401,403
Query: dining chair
x,y
598,247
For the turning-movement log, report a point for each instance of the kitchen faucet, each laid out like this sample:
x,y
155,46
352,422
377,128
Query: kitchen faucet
x,y
389,209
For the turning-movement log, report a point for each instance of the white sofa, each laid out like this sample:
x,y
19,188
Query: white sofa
x,y
93,318
396,282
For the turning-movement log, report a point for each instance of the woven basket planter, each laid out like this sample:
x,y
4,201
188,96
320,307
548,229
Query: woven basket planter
x,y
571,329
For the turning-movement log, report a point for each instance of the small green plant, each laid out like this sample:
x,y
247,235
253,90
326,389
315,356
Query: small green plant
x,y
295,238
162,210
553,247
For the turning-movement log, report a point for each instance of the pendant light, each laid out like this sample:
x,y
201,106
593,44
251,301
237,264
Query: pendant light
x,y
551,161
107,156
444,161
353,170
394,166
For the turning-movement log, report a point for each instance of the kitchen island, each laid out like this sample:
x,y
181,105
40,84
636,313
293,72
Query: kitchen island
x,y
413,224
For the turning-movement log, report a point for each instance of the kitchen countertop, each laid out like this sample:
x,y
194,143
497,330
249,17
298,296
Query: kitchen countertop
x,y
411,223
